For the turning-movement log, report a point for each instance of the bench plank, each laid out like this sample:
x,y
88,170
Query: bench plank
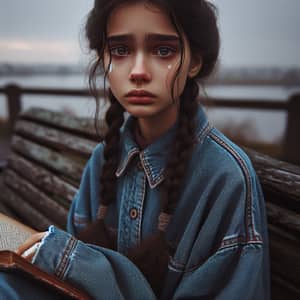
x,y
42,178
36,198
283,217
49,158
80,126
277,175
55,139
284,258
28,214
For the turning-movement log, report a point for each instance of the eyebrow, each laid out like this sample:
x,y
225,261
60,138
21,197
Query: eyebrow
x,y
149,37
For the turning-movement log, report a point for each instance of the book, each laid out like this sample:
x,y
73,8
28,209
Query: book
x,y
12,235
12,262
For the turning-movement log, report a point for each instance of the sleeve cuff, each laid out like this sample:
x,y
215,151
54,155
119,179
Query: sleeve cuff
x,y
54,251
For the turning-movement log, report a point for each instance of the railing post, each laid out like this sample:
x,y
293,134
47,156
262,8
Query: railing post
x,y
13,94
292,136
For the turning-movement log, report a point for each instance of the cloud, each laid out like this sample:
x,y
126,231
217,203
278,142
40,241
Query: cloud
x,y
42,51
252,32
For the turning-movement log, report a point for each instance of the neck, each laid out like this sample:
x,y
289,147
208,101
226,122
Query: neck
x,y
153,127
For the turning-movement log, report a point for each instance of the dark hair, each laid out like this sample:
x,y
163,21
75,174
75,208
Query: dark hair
x,y
197,20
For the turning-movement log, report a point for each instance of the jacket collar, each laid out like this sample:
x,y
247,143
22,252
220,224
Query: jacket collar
x,y
154,157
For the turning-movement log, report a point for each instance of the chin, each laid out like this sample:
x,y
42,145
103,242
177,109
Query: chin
x,y
141,112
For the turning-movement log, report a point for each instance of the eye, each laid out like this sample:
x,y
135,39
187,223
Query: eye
x,y
165,51
119,51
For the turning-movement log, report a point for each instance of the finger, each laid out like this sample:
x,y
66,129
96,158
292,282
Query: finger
x,y
31,241
29,253
29,257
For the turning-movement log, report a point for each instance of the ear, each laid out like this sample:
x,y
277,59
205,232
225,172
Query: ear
x,y
195,66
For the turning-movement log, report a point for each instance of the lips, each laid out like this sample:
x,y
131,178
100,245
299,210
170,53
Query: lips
x,y
139,93
140,97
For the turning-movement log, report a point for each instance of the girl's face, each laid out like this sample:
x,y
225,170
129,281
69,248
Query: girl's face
x,y
145,54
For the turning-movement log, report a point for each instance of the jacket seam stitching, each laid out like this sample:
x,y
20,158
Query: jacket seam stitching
x,y
232,241
65,258
249,242
124,164
179,267
80,219
249,217
203,133
141,209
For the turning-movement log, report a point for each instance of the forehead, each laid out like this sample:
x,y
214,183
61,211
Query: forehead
x,y
139,19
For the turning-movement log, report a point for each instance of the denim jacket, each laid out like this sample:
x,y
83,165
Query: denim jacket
x,y
218,229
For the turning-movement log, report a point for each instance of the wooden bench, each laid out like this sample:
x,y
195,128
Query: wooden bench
x,y
50,149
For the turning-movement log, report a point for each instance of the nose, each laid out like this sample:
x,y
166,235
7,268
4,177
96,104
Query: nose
x,y
140,72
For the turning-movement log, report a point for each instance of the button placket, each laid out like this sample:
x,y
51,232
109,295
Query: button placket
x,y
130,211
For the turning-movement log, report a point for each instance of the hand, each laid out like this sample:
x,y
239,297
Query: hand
x,y
28,249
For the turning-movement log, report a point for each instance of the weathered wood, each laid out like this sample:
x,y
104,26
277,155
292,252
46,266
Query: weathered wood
x,y
80,126
13,93
277,175
42,178
285,259
282,289
51,159
6,210
28,214
291,143
36,198
283,217
55,139
282,233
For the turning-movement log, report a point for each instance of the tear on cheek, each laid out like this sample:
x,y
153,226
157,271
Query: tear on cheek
x,y
110,68
169,67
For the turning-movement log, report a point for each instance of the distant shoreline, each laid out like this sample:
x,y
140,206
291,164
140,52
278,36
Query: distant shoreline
x,y
224,75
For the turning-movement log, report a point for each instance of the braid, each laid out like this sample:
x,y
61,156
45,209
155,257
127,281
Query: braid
x,y
114,119
182,147
96,232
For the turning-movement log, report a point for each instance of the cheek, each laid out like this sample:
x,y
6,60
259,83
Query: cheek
x,y
116,75
111,66
169,72
180,79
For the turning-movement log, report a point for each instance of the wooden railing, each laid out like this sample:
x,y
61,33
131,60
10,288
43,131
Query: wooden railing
x,y
291,145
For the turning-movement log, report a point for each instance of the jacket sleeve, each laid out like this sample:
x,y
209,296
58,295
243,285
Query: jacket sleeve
x,y
237,269
103,273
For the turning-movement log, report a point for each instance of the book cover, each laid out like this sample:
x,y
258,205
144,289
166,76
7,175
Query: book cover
x,y
12,262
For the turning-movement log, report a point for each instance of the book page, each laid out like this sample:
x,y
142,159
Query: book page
x,y
13,233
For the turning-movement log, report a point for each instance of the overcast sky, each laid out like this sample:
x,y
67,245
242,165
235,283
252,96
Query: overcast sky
x,y
256,32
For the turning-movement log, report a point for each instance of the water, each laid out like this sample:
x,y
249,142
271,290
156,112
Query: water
x,y
257,125
81,106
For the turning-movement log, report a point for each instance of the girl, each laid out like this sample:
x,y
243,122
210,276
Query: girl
x,y
168,207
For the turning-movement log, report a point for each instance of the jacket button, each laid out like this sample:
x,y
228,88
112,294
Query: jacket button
x,y
133,213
